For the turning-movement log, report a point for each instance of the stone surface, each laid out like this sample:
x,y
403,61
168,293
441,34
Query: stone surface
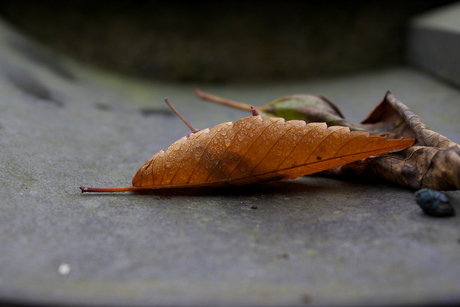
x,y
434,42
311,240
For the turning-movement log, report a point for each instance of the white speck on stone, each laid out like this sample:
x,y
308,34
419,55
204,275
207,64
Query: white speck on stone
x,y
64,269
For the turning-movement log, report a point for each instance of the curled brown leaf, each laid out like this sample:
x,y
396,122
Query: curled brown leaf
x,y
432,162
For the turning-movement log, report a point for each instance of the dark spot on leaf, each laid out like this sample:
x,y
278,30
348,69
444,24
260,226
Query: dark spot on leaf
x,y
254,207
156,112
41,57
103,106
318,158
30,85
411,172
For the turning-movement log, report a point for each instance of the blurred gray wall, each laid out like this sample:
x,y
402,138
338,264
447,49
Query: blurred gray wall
x,y
221,41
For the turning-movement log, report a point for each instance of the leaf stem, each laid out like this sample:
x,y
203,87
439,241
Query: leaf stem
x,y
223,101
186,122
108,190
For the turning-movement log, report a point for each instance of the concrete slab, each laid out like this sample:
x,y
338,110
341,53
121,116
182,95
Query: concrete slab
x,y
312,240
434,42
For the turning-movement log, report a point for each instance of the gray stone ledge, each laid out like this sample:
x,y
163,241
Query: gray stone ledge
x,y
434,43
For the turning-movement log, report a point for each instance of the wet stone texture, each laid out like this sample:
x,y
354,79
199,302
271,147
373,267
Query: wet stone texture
x,y
311,240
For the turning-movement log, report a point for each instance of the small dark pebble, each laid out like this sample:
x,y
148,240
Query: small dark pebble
x,y
254,207
434,203
284,256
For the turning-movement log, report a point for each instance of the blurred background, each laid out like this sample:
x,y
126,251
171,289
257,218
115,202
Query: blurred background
x,y
222,41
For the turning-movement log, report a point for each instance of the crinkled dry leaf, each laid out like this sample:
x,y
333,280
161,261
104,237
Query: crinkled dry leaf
x,y
433,162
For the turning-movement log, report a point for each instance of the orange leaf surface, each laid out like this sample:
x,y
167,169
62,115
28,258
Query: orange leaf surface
x,y
255,150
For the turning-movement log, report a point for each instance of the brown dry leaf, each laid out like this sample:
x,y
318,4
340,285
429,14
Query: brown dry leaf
x,y
433,161
253,150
